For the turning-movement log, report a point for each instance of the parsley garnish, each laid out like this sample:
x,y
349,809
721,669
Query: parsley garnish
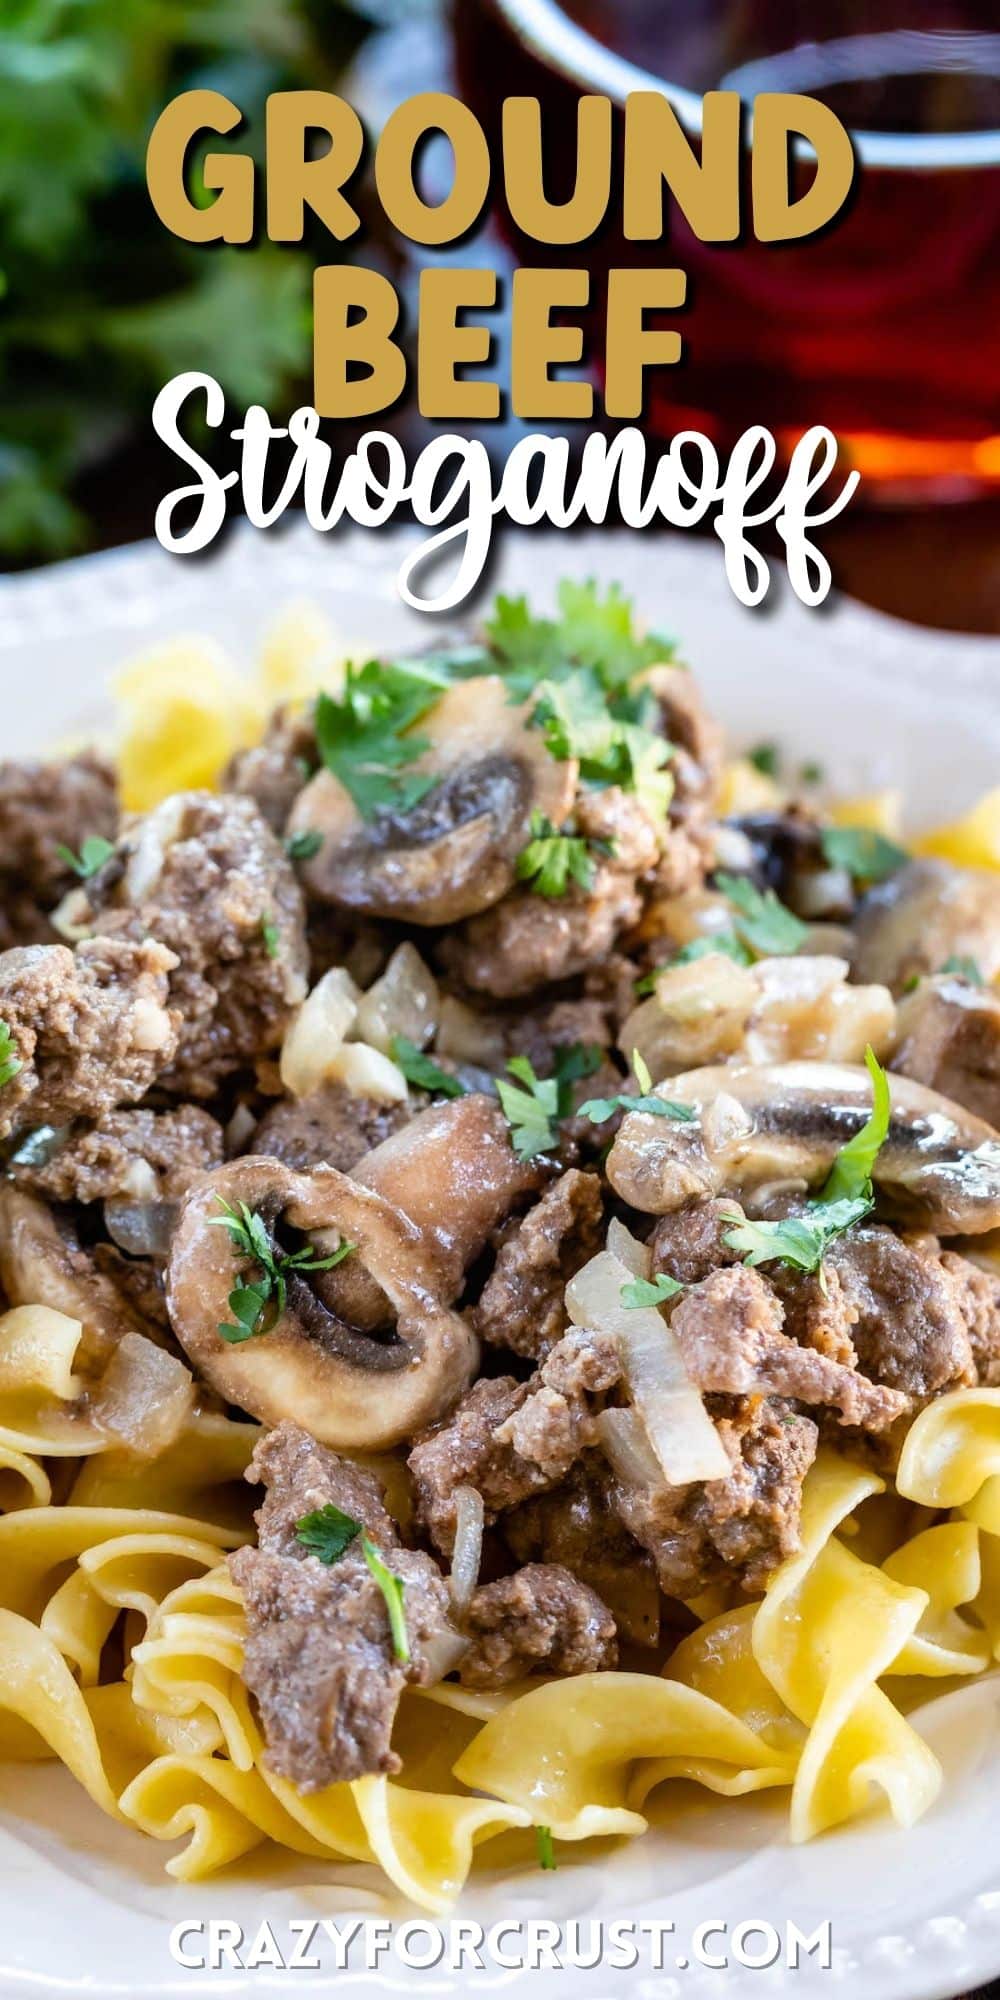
x,y
867,856
530,1112
303,846
272,937
761,920
421,1071
544,1844
552,859
812,773
10,1061
589,632
598,1109
533,1111
363,739
578,719
963,968
257,1307
94,852
327,1533
765,758
650,1291
848,1196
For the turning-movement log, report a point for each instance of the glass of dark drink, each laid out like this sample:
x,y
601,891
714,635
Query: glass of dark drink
x,y
886,327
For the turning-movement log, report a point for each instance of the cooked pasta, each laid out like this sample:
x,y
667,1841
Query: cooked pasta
x,y
305,1094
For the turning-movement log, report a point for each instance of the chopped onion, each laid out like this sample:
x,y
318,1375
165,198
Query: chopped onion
x,y
403,1002
366,1072
467,1036
442,1652
154,834
681,1432
144,1398
629,1453
628,1249
240,1130
468,1551
141,1228
317,1032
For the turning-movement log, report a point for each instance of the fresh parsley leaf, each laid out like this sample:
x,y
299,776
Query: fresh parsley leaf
x,y
765,758
303,846
531,1111
364,737
578,720
10,1061
761,920
392,1588
418,1069
811,773
650,1291
599,1109
327,1532
545,1846
867,856
551,860
851,1173
959,967
799,1240
94,852
848,1196
725,942
590,631
257,1307
272,937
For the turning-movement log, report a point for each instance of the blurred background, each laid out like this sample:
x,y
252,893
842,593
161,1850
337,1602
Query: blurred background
x,y
887,328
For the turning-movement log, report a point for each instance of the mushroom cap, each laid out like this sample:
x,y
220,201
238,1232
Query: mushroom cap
x,y
454,852
923,915
757,1125
348,1388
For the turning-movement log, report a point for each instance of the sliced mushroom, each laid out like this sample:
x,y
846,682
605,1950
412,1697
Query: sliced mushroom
x,y
454,1174
921,917
454,852
42,1263
770,1125
348,1388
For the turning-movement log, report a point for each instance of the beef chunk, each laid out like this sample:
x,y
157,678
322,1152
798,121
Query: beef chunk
x,y
45,807
730,1332
319,1657
512,1439
979,1299
577,1527
688,1245
143,1155
525,942
208,879
540,1620
331,1128
738,1528
522,1302
273,772
909,1328
92,1028
949,1038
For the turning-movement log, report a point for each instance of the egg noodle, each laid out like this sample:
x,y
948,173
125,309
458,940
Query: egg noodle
x,y
795,1691
122,1631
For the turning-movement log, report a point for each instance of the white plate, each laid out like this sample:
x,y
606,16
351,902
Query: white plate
x,y
84,1905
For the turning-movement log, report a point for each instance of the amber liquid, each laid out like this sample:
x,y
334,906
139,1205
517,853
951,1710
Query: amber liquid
x,y
887,326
